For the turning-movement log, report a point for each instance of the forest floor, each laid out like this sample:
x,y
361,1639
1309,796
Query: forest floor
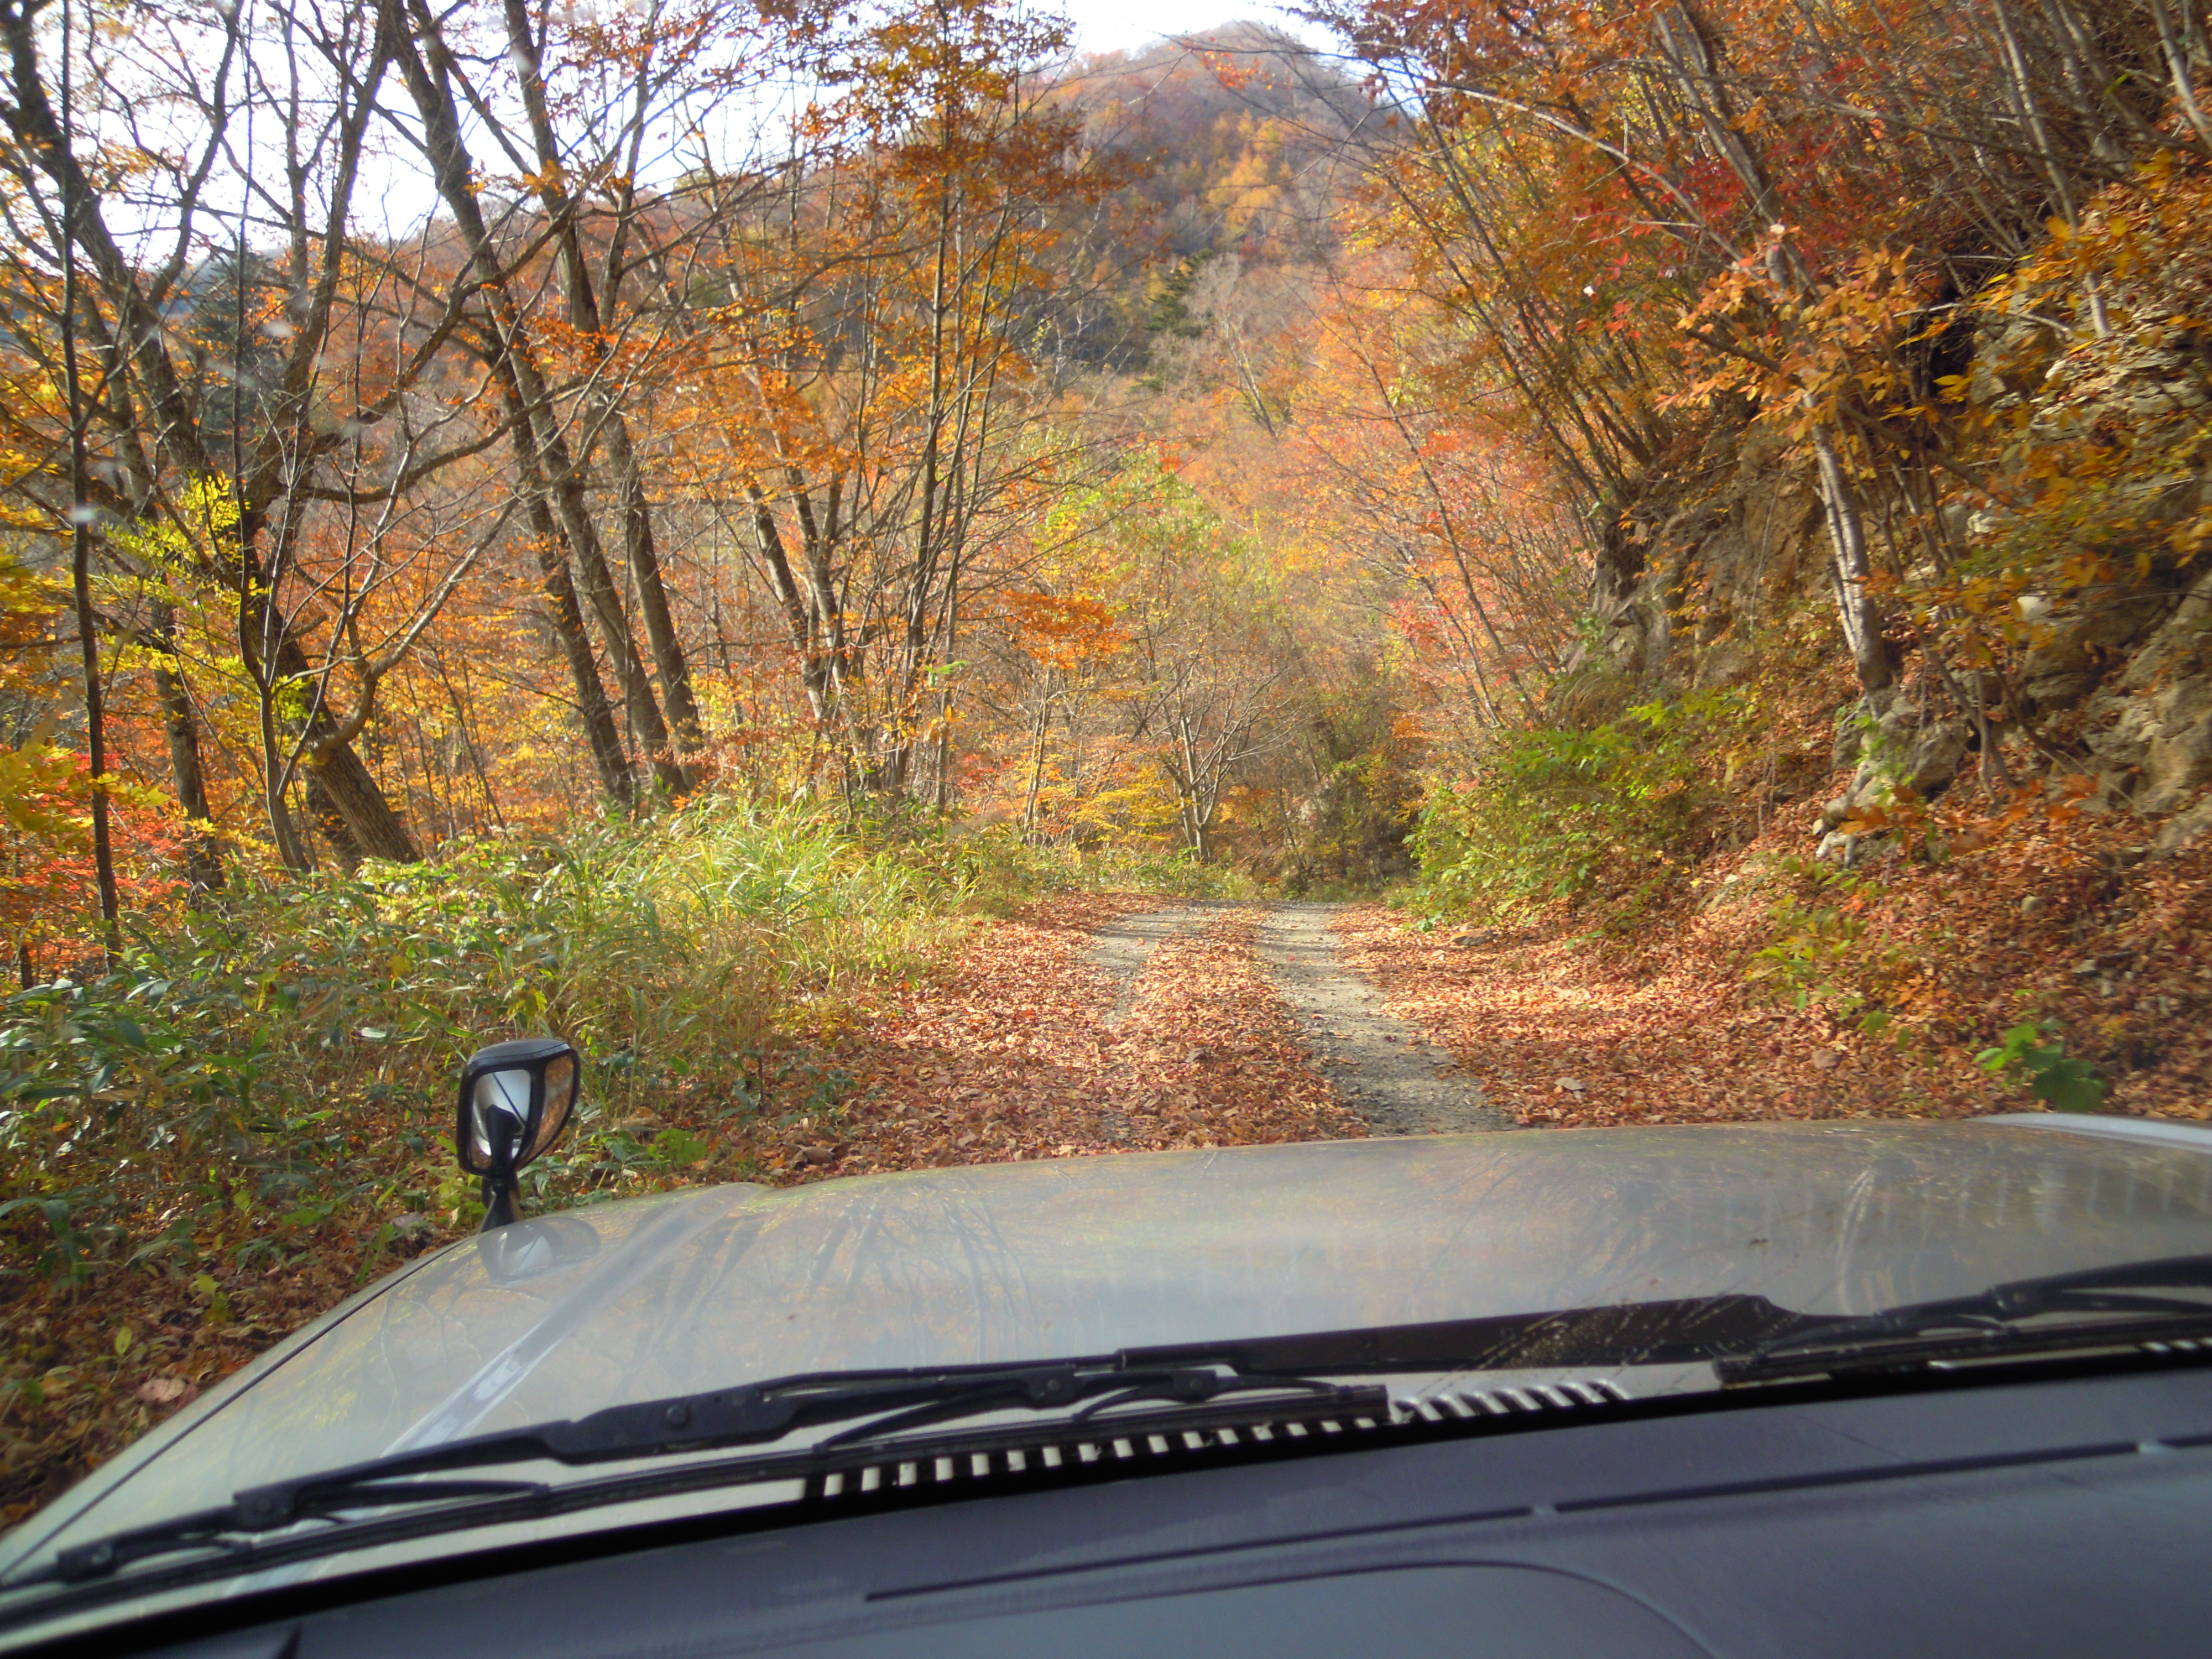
x,y
1575,1032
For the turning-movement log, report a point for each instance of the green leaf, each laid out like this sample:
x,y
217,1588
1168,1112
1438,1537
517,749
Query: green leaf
x,y
679,1149
2069,1085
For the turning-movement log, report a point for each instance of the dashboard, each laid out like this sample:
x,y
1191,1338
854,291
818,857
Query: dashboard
x,y
2062,1513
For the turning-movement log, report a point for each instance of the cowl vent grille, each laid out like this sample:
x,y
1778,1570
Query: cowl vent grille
x,y
1050,1453
1517,1403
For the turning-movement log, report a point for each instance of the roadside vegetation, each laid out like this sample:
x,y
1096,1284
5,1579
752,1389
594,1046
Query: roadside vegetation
x,y
251,1112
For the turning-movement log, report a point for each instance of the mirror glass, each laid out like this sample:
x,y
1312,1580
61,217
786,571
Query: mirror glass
x,y
500,1108
560,1100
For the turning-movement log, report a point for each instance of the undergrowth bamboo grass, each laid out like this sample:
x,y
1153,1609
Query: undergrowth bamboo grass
x,y
290,1049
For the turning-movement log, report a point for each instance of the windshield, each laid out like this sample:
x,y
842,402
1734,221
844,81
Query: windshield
x,y
572,1313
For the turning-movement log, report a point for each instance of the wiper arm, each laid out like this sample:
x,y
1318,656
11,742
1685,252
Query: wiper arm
x,y
2132,1303
753,1414
760,1413
1747,1338
259,1508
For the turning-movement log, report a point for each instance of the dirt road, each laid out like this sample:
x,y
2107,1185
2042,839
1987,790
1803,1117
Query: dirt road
x,y
1121,948
1106,1022
1384,1067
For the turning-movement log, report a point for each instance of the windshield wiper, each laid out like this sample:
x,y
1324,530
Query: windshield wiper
x,y
2126,1305
1745,1338
757,1414
898,1401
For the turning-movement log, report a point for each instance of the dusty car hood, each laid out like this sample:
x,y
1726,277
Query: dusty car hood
x,y
631,1301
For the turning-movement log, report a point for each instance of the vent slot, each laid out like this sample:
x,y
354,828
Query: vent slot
x,y
1535,1399
1046,1457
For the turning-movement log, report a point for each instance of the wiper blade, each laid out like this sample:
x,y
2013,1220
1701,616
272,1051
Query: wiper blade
x,y
1650,1333
260,1509
1747,1338
2136,1302
755,1413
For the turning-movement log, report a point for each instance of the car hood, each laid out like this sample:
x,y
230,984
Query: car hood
x,y
625,1302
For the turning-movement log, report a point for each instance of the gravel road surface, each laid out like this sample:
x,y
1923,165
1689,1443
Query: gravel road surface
x,y
1384,1067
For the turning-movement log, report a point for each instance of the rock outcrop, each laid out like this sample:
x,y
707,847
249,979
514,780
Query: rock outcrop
x,y
2116,681
2152,726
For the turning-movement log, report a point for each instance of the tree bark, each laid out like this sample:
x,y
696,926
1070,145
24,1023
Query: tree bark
x,y
590,313
95,711
592,708
323,812
202,851
674,669
1848,570
377,831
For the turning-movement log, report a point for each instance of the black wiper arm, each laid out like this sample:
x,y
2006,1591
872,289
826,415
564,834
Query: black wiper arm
x,y
753,1414
1681,1331
1725,1330
2135,1301
260,1509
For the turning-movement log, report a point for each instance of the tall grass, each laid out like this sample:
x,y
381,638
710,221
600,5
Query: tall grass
x,y
995,869
286,1055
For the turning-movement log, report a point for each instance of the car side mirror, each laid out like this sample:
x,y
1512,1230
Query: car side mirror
x,y
516,1098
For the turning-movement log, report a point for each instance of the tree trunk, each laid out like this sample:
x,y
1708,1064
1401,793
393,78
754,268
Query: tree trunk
x,y
668,658
202,851
1861,617
593,708
87,637
646,728
323,812
799,619
377,831
551,462
586,316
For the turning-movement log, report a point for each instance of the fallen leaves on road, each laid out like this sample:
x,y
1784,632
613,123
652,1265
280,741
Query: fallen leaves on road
x,y
1574,1032
1009,1057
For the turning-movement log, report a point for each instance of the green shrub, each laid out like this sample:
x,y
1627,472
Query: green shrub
x,y
1825,950
290,1050
1555,815
994,870
2034,1052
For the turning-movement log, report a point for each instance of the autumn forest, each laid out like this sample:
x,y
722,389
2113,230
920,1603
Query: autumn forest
x,y
756,537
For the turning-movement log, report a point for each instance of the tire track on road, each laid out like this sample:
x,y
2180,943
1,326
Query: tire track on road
x,y
1383,1067
1121,948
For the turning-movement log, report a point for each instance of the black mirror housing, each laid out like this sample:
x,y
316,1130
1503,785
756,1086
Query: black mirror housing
x,y
515,1099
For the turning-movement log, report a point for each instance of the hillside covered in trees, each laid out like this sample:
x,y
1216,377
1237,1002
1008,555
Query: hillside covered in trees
x,y
646,521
